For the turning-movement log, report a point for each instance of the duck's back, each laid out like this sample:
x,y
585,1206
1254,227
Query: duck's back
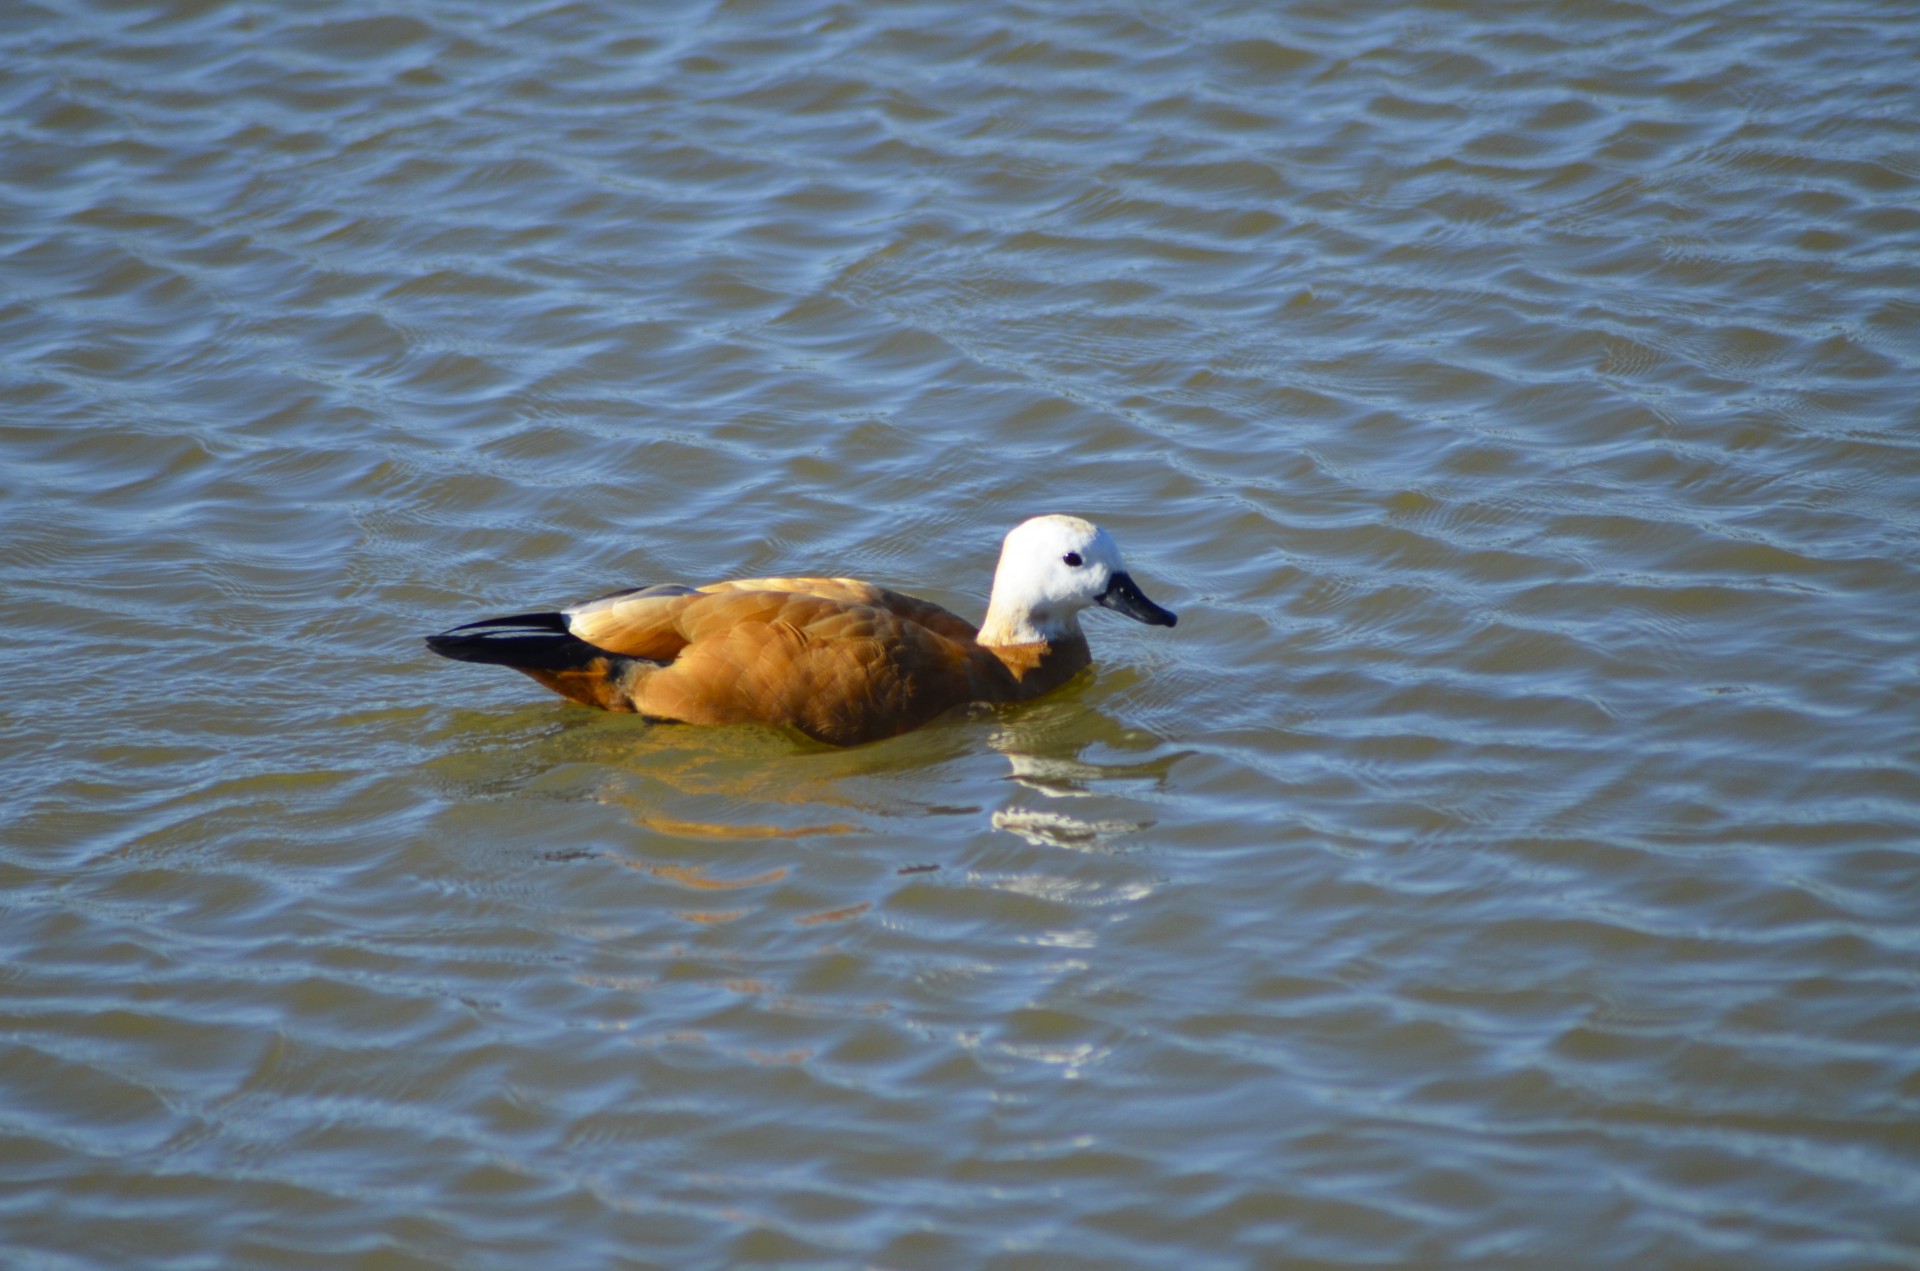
x,y
659,622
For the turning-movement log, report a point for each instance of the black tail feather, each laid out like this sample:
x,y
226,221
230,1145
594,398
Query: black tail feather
x,y
533,641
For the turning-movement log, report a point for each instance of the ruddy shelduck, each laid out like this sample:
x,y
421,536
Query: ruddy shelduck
x,y
839,660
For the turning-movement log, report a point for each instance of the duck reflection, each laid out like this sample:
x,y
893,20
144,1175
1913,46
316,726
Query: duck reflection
x,y
1045,749
1077,774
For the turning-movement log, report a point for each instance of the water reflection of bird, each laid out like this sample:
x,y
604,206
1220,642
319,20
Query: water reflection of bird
x,y
840,660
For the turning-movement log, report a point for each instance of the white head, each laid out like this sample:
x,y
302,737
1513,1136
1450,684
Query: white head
x,y
1051,568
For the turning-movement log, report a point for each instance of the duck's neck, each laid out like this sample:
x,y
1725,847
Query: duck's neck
x,y
1040,666
1008,626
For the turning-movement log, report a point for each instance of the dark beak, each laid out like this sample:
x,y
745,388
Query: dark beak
x,y
1124,596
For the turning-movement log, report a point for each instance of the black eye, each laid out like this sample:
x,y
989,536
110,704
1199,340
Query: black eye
x,y
1072,558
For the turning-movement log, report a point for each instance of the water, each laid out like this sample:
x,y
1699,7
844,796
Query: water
x,y
1510,860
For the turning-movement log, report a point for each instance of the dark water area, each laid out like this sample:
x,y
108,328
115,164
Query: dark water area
x,y
1512,858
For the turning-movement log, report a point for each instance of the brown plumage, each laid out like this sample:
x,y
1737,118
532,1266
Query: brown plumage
x,y
840,660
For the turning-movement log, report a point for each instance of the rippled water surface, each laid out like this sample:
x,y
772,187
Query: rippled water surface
x,y
1512,859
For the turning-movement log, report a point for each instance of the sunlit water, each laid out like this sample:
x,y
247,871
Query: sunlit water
x,y
1512,859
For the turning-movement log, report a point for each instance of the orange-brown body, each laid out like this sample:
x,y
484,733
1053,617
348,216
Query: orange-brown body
x,y
839,660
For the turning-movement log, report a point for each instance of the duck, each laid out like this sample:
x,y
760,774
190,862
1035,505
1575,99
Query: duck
x,y
838,660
